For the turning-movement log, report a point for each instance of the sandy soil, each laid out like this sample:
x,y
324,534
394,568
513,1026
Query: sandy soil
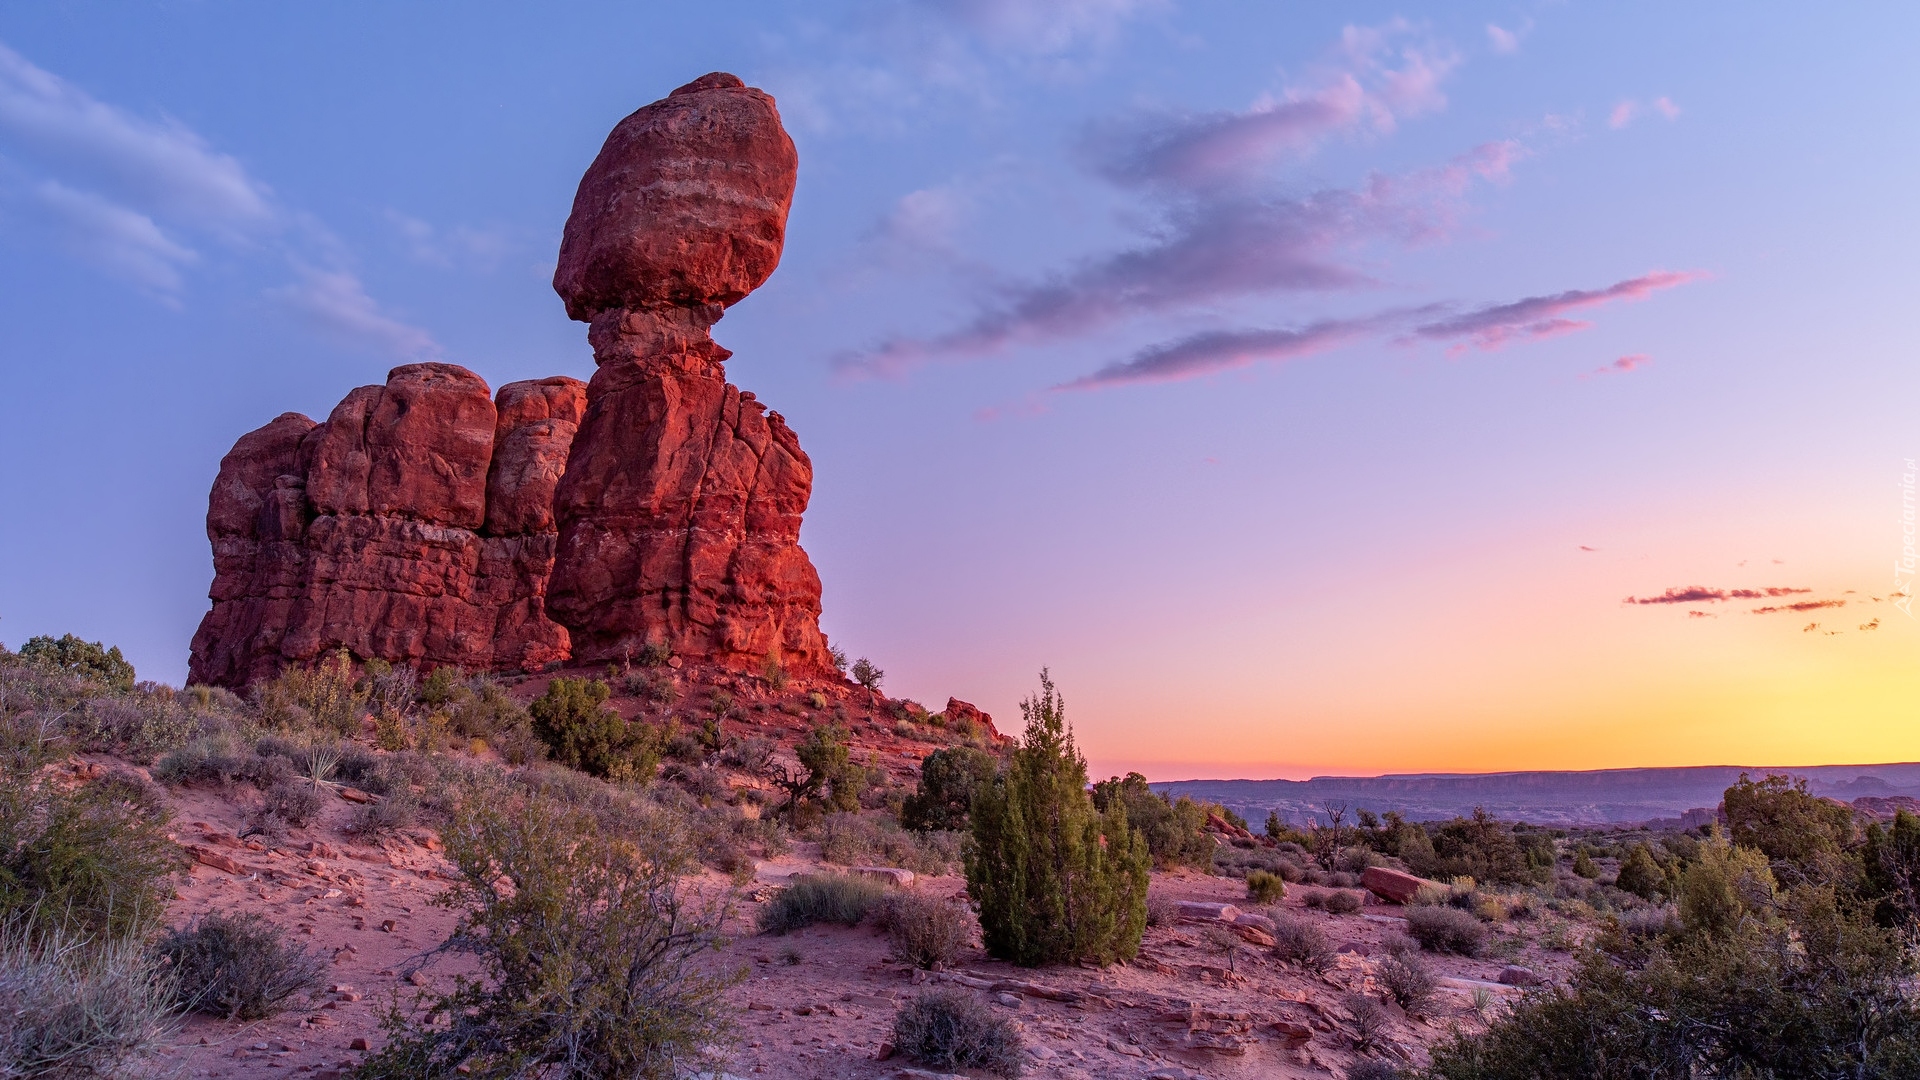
x,y
818,1003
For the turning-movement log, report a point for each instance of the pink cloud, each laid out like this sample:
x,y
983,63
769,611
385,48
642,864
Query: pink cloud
x,y
1624,364
1665,107
1623,114
1539,317
1502,39
1219,350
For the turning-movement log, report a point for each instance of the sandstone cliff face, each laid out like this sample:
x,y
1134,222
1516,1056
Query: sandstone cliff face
x,y
370,531
426,522
679,513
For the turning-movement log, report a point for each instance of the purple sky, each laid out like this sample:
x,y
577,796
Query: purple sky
x,y
1312,389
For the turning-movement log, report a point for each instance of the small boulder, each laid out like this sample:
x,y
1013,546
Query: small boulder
x,y
1203,911
1515,975
892,875
1392,885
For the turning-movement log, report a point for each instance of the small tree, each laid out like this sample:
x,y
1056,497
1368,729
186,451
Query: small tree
x,y
1052,880
1640,875
826,775
949,779
866,674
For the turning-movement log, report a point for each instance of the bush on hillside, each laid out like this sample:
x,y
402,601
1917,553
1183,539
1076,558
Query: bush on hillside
x,y
238,967
1265,888
572,720
1446,930
1175,831
816,898
592,954
951,1029
923,930
1640,875
94,860
73,1008
873,839
87,659
949,779
1302,944
1053,881
1408,979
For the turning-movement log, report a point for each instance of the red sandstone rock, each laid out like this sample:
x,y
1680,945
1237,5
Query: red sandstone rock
x,y
426,523
1392,885
364,532
679,512
534,431
685,205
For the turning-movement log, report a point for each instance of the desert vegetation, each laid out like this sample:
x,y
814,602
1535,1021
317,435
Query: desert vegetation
x,y
1053,879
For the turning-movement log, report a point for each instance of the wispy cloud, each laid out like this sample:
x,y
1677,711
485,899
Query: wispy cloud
x,y
1219,350
1505,41
337,302
1213,351
118,240
1628,110
1694,594
1051,28
1536,317
1223,227
1623,365
1804,605
127,192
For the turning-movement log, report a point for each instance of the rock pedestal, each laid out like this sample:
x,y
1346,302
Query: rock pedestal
x,y
429,523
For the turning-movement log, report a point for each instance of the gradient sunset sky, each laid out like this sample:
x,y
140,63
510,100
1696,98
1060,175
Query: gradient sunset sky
x,y
1313,388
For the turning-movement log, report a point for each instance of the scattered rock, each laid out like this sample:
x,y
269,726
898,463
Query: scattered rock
x,y
1392,885
1201,911
1515,975
892,875
206,856
360,1044
355,795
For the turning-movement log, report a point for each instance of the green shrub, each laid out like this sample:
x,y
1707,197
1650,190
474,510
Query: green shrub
x,y
593,956
239,967
87,659
1053,881
1302,944
94,861
1175,831
572,719
1583,865
1265,888
75,1009
1640,875
1162,910
1806,838
815,898
1481,847
1824,994
923,930
1446,930
951,1029
949,779
327,695
212,761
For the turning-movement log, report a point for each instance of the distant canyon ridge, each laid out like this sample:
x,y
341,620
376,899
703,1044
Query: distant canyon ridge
x,y
431,521
1681,796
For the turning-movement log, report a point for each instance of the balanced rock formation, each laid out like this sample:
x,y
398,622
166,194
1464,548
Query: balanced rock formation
x,y
679,513
425,522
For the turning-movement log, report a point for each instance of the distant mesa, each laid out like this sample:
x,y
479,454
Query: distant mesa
x,y
431,522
